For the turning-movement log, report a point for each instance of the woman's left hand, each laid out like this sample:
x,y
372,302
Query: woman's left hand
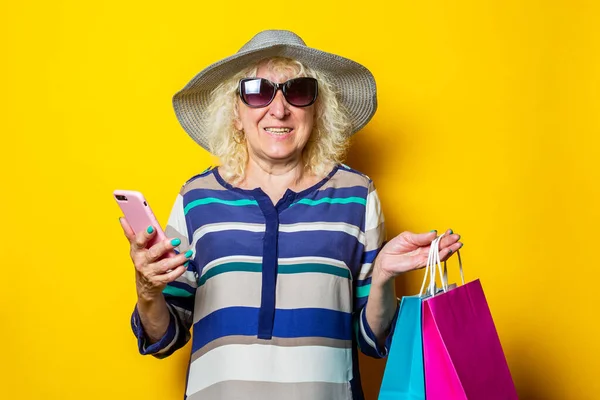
x,y
409,251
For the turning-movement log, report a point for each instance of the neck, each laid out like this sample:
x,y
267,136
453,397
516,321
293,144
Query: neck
x,y
276,177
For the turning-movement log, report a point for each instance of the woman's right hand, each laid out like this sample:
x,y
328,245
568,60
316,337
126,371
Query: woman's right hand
x,y
152,273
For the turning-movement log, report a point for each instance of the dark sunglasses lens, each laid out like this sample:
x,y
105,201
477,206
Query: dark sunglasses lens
x,y
257,92
301,92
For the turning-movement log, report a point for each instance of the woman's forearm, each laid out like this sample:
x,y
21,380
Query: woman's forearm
x,y
155,317
381,306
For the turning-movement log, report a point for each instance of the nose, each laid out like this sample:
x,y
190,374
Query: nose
x,y
279,107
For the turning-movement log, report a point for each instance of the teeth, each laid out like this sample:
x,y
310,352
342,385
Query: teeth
x,y
278,131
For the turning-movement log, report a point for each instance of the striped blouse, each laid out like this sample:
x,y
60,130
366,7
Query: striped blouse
x,y
274,294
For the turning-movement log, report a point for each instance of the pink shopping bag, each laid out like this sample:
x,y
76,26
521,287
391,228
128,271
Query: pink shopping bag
x,y
463,356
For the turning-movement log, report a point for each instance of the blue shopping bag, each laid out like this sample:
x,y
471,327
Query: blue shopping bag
x,y
404,375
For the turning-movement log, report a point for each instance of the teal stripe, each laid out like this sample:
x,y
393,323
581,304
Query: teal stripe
x,y
339,200
363,291
176,292
210,200
230,267
282,269
313,267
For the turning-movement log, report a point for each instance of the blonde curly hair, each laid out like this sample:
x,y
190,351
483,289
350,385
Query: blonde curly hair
x,y
329,139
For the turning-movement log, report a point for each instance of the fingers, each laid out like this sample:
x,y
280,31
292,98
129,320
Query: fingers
x,y
420,260
420,239
142,238
127,230
448,251
449,239
157,251
152,278
449,244
167,264
174,274
153,270
169,271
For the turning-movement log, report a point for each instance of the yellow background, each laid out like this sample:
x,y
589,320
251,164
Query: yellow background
x,y
487,124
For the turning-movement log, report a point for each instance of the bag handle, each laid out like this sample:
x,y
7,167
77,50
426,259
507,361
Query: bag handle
x,y
433,261
460,267
430,268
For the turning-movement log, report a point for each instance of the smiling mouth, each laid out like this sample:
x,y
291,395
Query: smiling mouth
x,y
278,131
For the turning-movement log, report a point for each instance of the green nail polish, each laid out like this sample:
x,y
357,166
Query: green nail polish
x,y
175,242
433,230
451,231
150,229
189,253
185,264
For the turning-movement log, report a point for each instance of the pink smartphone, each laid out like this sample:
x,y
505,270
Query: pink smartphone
x,y
139,215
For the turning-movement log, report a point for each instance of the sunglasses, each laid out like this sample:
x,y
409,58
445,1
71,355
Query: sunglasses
x,y
260,92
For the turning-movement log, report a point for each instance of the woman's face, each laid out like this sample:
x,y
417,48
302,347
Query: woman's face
x,y
278,132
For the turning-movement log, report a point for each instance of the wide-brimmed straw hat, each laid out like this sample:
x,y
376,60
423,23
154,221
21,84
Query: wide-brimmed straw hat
x,y
353,82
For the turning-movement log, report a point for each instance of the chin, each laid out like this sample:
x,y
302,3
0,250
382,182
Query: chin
x,y
281,155
278,153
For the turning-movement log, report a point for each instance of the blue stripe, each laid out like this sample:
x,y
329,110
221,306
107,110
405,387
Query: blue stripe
x,y
348,213
228,243
217,213
337,245
304,322
369,256
364,282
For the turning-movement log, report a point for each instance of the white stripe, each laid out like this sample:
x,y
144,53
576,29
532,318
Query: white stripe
x,y
374,214
266,363
229,259
189,278
312,260
365,271
221,291
225,226
364,333
296,291
177,217
325,226
316,260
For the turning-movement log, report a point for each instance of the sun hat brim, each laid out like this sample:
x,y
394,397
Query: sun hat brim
x,y
355,85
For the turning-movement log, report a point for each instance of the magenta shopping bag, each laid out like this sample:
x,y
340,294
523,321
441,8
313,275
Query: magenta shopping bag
x,y
463,356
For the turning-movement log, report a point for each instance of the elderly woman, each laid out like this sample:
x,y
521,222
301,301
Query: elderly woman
x,y
281,271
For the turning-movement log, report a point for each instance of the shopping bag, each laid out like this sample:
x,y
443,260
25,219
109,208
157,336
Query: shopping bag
x,y
463,355
403,378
